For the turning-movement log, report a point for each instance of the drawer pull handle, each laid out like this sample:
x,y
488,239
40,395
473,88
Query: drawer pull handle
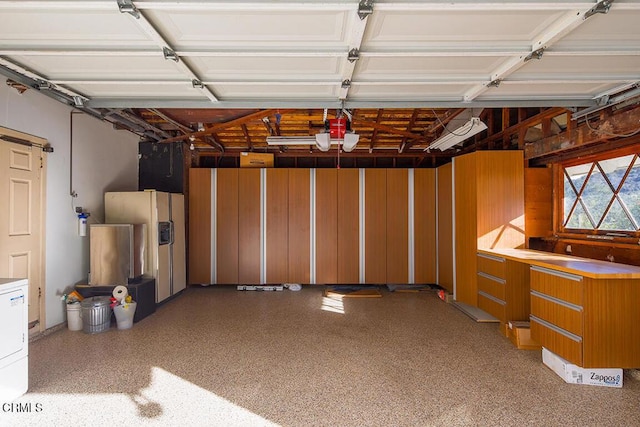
x,y
491,297
557,273
572,337
492,278
491,257
556,301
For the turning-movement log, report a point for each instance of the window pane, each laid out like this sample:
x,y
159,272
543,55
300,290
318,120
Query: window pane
x,y
616,219
569,198
616,168
630,191
596,195
578,174
579,219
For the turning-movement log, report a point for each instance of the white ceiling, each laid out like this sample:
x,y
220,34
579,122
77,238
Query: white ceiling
x,y
266,54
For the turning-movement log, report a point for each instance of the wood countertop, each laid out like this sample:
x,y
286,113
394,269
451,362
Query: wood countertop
x,y
586,267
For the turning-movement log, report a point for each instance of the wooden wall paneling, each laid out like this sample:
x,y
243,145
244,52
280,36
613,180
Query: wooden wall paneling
x,y
227,227
199,226
299,226
538,202
277,226
500,199
425,240
348,226
327,226
249,226
375,200
445,227
465,199
397,233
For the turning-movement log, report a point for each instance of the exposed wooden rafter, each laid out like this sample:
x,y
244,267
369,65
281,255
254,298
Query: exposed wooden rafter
x,y
221,126
626,124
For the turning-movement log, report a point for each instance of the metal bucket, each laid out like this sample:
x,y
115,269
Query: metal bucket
x,y
96,314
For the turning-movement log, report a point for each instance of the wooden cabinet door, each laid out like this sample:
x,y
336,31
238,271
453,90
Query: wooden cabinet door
x,y
445,226
299,225
249,216
277,226
425,238
200,226
465,198
397,226
375,220
227,226
326,223
348,225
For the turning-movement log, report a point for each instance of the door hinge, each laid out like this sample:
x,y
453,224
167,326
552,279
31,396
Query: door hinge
x,y
41,162
39,292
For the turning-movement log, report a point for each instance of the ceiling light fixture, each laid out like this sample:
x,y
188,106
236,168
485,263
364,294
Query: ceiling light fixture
x,y
322,140
336,132
451,138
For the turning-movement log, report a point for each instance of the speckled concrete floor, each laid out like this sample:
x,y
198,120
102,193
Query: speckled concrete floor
x,y
216,356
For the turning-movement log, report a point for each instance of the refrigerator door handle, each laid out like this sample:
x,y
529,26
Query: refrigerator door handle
x,y
171,233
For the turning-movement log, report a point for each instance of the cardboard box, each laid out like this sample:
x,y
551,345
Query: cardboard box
x,y
256,160
520,335
573,374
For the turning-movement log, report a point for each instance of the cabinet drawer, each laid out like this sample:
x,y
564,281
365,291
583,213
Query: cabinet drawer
x,y
491,285
558,341
563,286
492,305
493,265
564,315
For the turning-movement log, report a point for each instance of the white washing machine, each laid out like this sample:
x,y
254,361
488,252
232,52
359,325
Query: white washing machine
x,y
14,339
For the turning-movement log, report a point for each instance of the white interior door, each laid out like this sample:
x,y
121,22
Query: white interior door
x,y
21,213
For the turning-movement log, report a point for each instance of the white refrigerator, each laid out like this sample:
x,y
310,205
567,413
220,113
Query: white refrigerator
x,y
14,339
164,216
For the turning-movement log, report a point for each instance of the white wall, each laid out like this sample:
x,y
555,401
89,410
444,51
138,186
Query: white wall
x,y
104,159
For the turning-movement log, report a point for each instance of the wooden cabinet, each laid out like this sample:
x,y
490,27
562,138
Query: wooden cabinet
x,y
325,226
584,310
276,256
227,223
424,219
590,322
488,204
249,226
299,225
200,195
503,288
348,226
375,225
445,226
397,226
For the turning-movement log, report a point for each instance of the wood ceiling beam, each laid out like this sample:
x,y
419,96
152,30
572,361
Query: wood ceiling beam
x,y
258,115
388,129
374,136
532,121
184,128
247,136
617,127
405,143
